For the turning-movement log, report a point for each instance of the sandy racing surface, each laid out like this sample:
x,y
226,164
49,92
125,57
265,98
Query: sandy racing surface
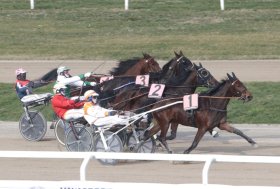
x,y
267,137
245,70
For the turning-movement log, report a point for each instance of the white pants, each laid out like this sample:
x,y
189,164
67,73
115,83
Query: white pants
x,y
73,114
110,120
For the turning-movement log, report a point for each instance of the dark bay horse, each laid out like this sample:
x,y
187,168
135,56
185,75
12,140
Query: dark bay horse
x,y
211,113
111,88
185,78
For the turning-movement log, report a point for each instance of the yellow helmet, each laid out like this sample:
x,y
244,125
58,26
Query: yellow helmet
x,y
90,93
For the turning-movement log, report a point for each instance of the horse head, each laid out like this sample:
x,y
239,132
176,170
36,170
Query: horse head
x,y
238,89
136,66
204,77
149,64
200,74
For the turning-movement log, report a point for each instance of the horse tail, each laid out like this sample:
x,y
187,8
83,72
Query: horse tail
x,y
49,76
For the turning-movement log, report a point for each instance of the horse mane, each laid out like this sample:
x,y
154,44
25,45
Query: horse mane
x,y
124,65
165,68
181,77
212,91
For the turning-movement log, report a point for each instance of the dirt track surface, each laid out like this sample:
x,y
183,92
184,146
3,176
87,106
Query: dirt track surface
x,y
245,70
267,137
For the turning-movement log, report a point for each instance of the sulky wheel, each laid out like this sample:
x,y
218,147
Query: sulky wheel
x,y
78,139
35,128
60,128
147,146
113,142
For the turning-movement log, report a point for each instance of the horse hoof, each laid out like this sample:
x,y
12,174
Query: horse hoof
x,y
171,137
255,145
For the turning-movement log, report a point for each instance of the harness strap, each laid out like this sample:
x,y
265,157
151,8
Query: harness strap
x,y
218,110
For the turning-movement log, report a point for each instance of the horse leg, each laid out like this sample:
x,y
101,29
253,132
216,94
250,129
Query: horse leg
x,y
173,127
199,134
227,127
149,133
213,133
160,125
162,137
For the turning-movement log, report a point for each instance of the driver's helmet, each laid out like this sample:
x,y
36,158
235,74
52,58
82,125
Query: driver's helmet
x,y
59,88
21,74
91,96
61,69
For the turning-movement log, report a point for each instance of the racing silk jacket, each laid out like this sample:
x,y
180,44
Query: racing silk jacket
x,y
96,111
22,88
75,81
61,104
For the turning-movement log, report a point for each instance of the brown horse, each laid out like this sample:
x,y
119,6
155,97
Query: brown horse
x,y
186,77
211,113
136,66
130,67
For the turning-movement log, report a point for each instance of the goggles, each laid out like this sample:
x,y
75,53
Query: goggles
x,y
91,98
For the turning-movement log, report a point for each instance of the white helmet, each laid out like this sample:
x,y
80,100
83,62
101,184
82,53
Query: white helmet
x,y
57,88
90,93
61,69
20,71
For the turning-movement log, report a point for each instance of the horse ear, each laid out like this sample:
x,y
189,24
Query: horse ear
x,y
181,53
145,55
229,77
176,54
234,77
200,65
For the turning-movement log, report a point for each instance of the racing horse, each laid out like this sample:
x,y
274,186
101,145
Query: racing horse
x,y
211,113
111,88
186,77
136,66
129,67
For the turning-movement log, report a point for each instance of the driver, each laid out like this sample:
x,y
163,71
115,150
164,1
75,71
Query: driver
x,y
95,114
64,77
22,86
64,107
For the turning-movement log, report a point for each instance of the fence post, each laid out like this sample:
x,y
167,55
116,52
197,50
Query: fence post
x,y
31,4
126,4
222,3
206,170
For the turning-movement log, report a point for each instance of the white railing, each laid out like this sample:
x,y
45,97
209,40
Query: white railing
x,y
87,156
126,4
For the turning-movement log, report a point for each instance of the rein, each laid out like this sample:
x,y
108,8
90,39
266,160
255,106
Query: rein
x,y
174,98
114,105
